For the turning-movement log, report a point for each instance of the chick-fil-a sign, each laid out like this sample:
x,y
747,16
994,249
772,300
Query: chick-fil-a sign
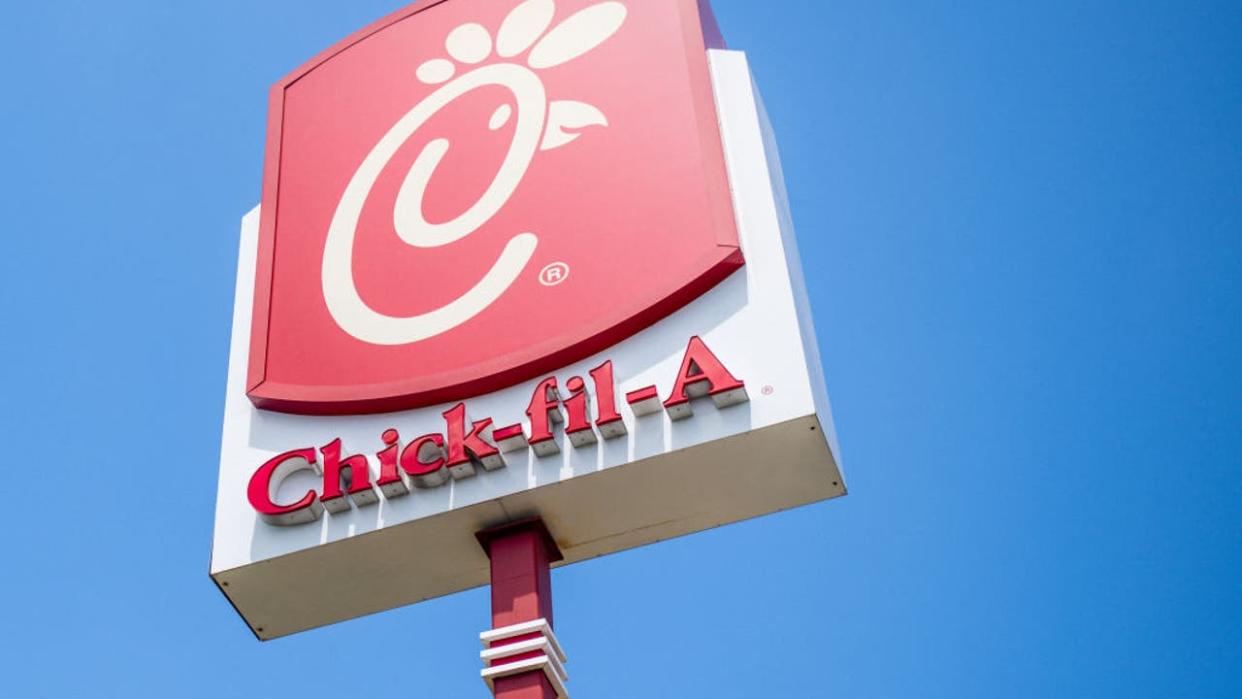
x,y
582,410
472,193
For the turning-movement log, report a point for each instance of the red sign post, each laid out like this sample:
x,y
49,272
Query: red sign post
x,y
521,656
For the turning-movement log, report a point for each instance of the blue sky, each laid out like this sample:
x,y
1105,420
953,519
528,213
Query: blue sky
x,y
1022,227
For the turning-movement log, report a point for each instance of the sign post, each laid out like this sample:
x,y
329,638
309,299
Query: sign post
x,y
521,656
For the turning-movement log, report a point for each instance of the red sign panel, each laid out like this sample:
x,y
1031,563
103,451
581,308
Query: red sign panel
x,y
470,193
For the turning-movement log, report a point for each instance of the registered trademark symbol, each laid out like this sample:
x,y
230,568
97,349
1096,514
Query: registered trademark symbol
x,y
768,390
554,274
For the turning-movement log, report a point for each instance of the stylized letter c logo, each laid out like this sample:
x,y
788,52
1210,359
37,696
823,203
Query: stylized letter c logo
x,y
340,292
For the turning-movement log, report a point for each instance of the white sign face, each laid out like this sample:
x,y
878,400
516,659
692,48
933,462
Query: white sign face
x,y
715,414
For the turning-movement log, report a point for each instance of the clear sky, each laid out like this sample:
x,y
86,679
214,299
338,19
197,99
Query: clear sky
x,y
1022,228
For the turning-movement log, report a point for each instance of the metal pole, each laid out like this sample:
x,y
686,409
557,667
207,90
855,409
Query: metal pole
x,y
522,658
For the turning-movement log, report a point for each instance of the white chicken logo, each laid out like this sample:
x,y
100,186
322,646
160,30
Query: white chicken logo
x,y
541,125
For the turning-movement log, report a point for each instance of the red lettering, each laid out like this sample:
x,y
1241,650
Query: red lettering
x,y
609,421
351,472
432,459
269,477
390,480
423,460
466,447
578,408
543,411
702,374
